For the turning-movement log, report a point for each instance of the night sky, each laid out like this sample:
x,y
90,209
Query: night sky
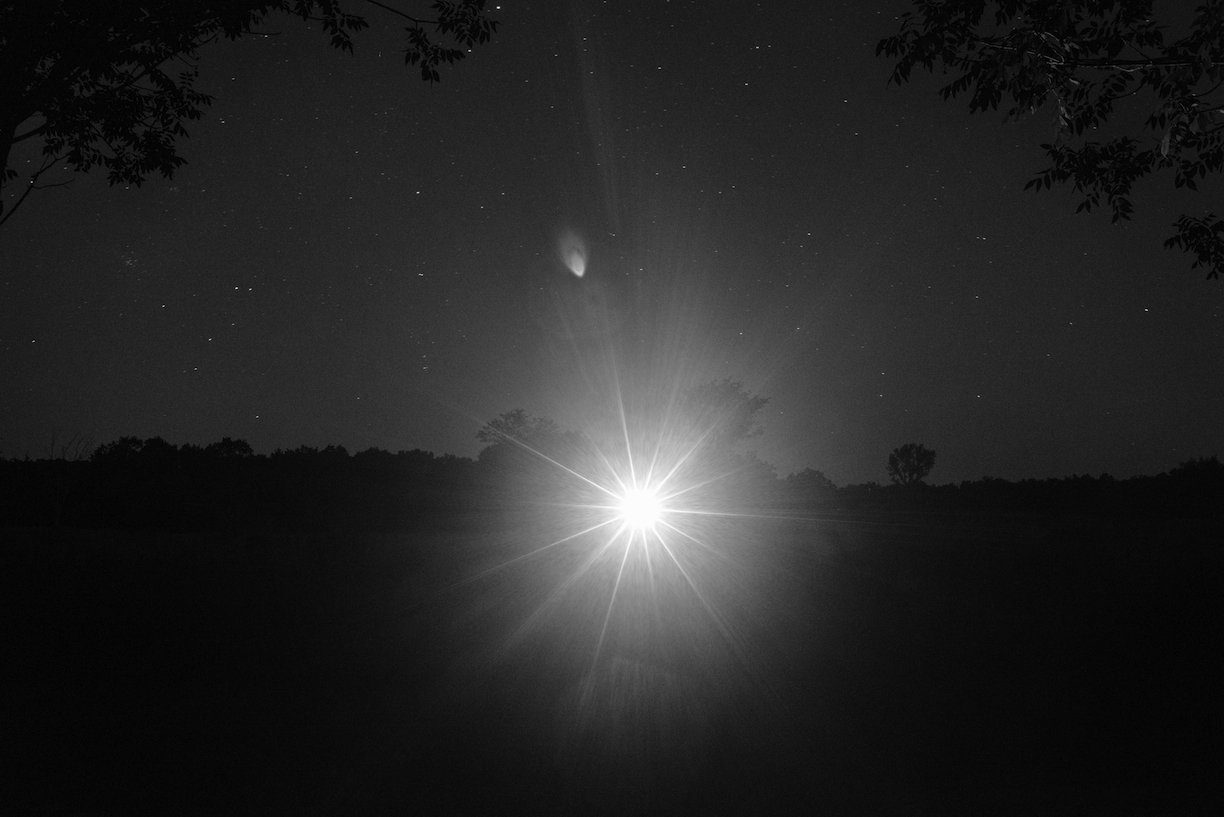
x,y
354,257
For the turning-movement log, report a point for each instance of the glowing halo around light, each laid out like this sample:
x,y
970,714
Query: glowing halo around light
x,y
619,572
640,509
637,518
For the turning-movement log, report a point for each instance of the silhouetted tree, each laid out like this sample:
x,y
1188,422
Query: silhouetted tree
x,y
809,484
724,412
518,428
122,450
526,456
721,416
1083,56
1198,486
703,429
151,484
64,472
1200,469
229,449
910,464
112,84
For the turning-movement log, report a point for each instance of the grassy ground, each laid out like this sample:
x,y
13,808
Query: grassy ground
x,y
952,665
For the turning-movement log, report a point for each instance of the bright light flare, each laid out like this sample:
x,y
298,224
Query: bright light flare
x,y
640,509
644,508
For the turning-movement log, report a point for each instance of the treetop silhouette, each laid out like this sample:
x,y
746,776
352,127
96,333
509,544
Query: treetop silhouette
x,y
910,464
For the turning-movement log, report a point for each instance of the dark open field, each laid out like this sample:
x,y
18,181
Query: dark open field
x,y
1028,664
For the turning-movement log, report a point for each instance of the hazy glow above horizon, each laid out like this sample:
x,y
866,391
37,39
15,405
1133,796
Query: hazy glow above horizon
x,y
638,510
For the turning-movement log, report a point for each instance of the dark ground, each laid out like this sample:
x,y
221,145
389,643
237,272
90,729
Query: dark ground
x,y
1032,665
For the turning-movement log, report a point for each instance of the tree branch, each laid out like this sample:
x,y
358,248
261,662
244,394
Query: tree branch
x,y
396,11
28,134
1112,64
31,186
49,185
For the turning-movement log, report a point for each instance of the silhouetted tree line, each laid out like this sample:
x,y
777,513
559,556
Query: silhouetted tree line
x,y
152,484
527,461
1195,488
529,458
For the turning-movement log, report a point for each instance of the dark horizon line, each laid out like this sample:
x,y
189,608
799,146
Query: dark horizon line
x,y
84,451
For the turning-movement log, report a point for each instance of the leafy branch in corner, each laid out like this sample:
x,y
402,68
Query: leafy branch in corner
x,y
1091,63
112,85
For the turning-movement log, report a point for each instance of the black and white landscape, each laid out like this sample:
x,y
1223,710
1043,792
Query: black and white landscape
x,y
383,649
575,407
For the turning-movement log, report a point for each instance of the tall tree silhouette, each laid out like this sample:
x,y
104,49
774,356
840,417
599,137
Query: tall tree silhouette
x,y
724,411
910,464
723,416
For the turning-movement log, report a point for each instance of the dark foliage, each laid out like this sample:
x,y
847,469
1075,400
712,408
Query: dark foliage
x,y
1128,99
529,457
526,458
807,486
136,484
910,464
725,412
112,84
1194,489
721,417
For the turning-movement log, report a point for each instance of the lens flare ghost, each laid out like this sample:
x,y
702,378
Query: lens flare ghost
x,y
573,253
